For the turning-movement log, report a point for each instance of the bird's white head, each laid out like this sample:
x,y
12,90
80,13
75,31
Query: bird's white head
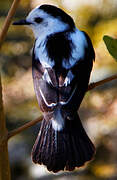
x,y
47,19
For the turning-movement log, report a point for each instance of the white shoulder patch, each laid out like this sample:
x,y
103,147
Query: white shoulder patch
x,y
44,99
46,77
78,51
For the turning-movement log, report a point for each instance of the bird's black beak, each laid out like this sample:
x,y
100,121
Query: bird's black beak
x,y
22,22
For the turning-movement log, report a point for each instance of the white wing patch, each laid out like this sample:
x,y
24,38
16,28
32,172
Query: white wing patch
x,y
68,78
47,104
78,50
46,77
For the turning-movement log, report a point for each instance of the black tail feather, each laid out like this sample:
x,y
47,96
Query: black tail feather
x,y
65,149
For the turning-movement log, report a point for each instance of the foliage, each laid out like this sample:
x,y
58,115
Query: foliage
x,y
111,45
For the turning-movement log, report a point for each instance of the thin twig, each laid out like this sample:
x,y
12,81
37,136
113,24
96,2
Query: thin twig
x,y
94,85
25,126
8,20
29,124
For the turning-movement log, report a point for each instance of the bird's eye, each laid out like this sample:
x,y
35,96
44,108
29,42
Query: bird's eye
x,y
38,20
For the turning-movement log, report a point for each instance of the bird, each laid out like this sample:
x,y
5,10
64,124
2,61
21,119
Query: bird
x,y
62,62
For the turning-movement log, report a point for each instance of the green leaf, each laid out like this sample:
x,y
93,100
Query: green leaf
x,y
111,45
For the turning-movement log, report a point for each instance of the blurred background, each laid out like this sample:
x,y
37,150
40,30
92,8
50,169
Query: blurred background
x,y
99,107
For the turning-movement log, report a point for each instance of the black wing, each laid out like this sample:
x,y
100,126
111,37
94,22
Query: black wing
x,y
46,93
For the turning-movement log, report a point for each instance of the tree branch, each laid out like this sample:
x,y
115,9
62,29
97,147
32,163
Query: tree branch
x,y
33,122
25,126
4,159
94,85
8,20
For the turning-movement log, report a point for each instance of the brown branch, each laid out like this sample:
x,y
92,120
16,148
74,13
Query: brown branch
x,y
4,159
94,85
29,124
25,126
8,20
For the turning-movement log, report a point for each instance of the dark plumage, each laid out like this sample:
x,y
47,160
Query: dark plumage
x,y
61,66
59,41
67,149
70,147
